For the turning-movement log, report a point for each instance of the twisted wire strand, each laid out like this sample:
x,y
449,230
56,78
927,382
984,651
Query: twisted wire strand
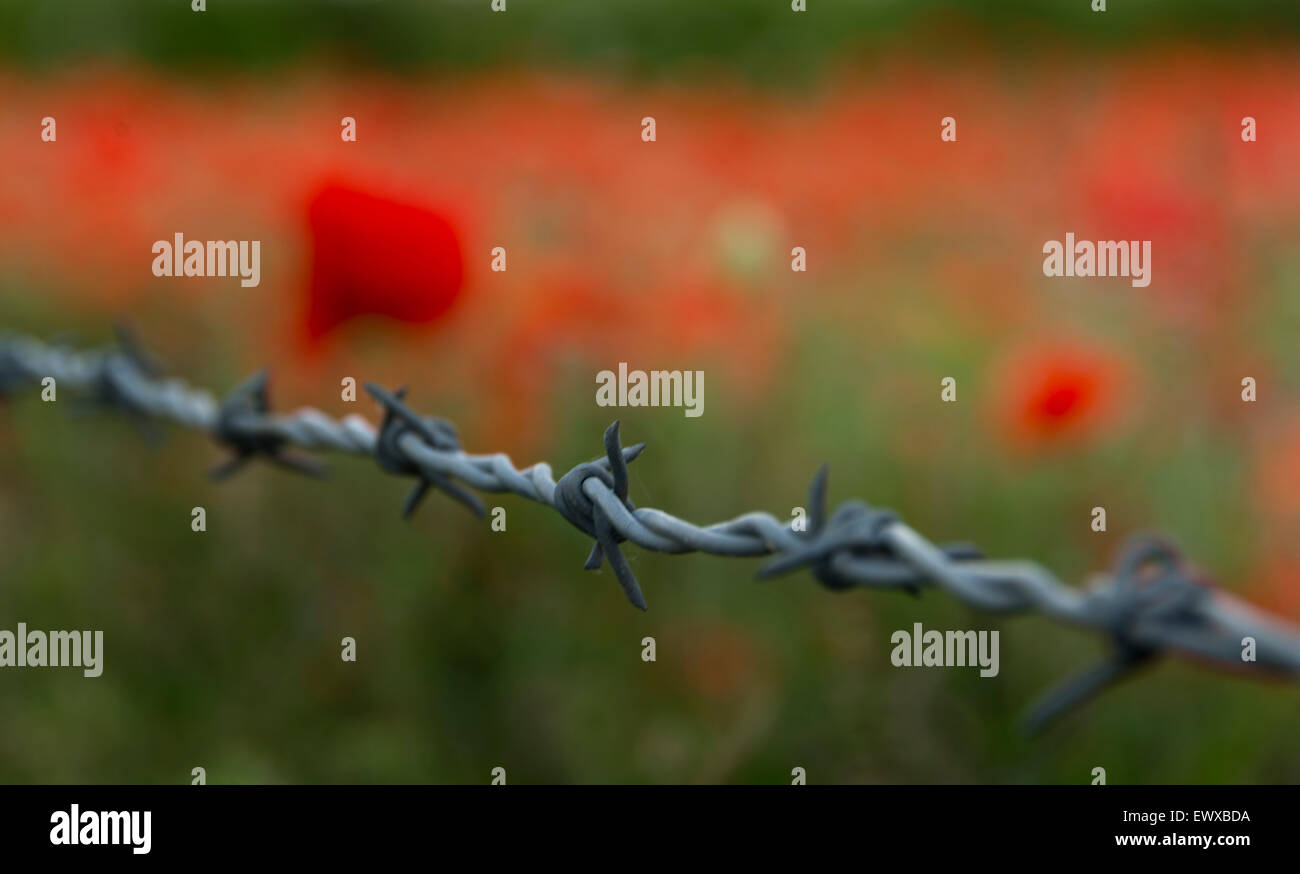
x,y
1152,604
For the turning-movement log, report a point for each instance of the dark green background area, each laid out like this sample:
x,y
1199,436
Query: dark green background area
x,y
761,39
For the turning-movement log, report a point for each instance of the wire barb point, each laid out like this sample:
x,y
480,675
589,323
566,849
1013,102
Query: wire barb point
x,y
239,427
590,518
435,435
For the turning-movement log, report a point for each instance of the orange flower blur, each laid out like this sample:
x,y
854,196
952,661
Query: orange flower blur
x,y
1059,392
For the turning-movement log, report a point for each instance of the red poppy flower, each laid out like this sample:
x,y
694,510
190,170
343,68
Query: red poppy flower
x,y
1055,392
372,255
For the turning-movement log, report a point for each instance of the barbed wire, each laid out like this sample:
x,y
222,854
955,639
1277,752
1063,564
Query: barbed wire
x,y
1154,603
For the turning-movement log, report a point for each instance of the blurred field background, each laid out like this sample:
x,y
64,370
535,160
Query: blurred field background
x,y
775,130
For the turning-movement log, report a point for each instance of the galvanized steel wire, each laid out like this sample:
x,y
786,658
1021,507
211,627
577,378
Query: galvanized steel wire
x,y
1153,603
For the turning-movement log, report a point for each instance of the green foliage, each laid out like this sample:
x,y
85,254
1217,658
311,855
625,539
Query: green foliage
x,y
761,39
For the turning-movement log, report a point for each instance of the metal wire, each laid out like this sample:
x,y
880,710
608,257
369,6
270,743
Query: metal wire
x,y
1154,602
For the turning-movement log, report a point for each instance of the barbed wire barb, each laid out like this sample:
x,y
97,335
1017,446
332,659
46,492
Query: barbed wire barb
x,y
1154,604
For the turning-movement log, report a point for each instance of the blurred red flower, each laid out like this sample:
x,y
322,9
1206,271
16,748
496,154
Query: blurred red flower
x,y
1277,471
372,255
1054,392
1276,586
1276,463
